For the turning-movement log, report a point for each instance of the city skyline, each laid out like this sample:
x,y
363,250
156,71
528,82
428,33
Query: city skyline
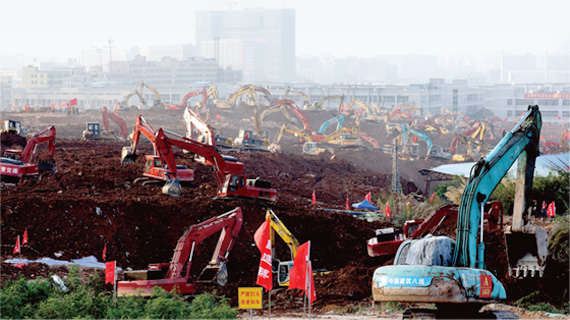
x,y
362,29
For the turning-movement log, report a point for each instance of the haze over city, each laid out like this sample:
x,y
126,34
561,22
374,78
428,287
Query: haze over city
x,y
62,28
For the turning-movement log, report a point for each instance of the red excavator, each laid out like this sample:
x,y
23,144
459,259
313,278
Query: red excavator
x,y
182,104
158,167
228,172
176,274
18,164
388,240
118,120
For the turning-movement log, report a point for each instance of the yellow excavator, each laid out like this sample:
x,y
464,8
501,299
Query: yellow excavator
x,y
214,95
306,102
309,146
158,100
11,126
125,103
318,105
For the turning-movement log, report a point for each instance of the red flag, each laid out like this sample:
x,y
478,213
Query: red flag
x,y
314,197
302,266
13,106
73,102
104,255
432,196
218,116
506,119
387,211
62,104
25,238
466,118
262,239
17,247
110,272
347,203
368,197
551,211
559,118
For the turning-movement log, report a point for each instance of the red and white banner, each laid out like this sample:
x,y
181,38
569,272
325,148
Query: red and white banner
x,y
262,239
551,211
387,211
73,102
301,269
368,197
110,271
17,247
314,197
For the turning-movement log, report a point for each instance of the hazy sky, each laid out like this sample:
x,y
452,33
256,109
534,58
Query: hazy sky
x,y
357,27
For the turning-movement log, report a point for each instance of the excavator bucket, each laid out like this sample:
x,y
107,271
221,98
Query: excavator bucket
x,y
526,251
214,273
127,155
47,166
172,188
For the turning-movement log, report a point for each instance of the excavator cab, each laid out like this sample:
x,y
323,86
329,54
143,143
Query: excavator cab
x,y
283,271
12,126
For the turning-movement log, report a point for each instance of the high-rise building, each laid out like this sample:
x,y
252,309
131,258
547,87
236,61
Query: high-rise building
x,y
267,35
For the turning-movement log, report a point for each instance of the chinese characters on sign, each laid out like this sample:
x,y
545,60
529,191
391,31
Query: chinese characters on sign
x,y
404,281
486,286
250,298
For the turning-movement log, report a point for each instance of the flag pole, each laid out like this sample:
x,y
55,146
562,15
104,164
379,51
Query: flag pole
x,y
269,294
115,285
309,285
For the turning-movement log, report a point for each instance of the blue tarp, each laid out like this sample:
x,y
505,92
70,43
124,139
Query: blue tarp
x,y
364,205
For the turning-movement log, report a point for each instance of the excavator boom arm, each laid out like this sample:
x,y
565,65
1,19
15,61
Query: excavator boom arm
x,y
229,223
46,135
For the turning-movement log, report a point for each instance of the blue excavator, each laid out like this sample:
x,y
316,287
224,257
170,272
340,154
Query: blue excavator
x,y
451,273
339,122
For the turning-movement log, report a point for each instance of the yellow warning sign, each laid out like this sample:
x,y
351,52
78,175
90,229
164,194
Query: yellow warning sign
x,y
250,298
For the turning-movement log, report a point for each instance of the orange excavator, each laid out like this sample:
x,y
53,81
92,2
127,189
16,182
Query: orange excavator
x,y
18,164
160,166
176,275
118,120
228,172
182,104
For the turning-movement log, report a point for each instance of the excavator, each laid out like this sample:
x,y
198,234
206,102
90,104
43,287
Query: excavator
x,y
160,166
176,275
387,240
318,105
125,103
365,113
309,146
93,129
18,164
228,172
206,134
411,149
279,105
339,122
306,101
214,95
189,95
247,140
250,91
473,139
451,273
157,100
117,119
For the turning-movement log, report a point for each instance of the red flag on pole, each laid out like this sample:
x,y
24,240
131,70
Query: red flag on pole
x,y
17,247
387,211
347,203
110,271
73,102
104,255
25,238
62,104
431,198
368,197
551,211
262,239
314,197
298,274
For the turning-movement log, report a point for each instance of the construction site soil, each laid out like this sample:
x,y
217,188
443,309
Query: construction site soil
x,y
92,201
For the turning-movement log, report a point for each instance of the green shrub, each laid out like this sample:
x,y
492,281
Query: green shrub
x,y
39,299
